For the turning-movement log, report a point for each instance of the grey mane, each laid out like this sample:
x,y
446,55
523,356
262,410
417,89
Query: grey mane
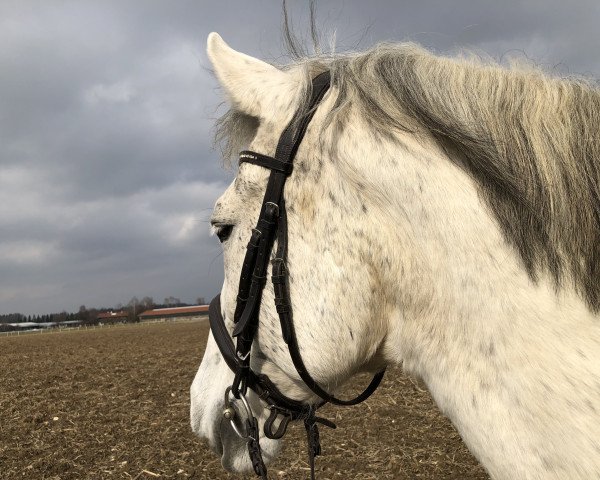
x,y
530,141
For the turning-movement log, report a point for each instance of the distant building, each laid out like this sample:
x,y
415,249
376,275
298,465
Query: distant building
x,y
69,323
175,313
32,325
113,317
22,326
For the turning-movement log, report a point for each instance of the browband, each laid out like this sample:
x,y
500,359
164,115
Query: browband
x,y
266,161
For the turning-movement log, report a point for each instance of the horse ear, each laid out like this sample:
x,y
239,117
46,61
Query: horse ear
x,y
253,86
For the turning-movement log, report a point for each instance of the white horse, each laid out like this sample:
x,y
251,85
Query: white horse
x,y
444,214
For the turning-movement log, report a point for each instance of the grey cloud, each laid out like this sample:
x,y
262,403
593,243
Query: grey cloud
x,y
107,175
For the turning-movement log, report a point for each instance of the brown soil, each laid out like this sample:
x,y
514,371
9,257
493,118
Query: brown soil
x,y
114,403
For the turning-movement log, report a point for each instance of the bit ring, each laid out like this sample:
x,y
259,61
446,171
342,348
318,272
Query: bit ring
x,y
229,412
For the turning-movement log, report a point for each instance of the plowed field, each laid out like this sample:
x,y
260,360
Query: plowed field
x,y
113,403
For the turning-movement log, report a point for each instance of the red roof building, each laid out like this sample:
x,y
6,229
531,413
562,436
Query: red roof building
x,y
171,313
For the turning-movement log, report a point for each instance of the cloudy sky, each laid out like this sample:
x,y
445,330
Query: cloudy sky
x,y
107,172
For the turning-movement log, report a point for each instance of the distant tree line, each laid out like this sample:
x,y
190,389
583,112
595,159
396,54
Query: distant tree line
x,y
52,317
90,315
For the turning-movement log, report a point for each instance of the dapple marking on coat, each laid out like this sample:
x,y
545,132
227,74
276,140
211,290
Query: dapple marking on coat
x,y
444,214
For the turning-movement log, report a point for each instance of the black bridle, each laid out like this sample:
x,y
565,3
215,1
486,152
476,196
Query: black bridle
x,y
272,224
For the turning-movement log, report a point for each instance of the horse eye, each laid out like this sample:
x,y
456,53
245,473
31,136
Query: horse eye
x,y
223,232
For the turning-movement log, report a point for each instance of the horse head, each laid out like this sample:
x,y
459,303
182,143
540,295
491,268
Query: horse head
x,y
430,221
335,292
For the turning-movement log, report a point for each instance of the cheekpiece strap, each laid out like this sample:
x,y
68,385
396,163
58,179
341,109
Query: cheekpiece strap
x,y
266,161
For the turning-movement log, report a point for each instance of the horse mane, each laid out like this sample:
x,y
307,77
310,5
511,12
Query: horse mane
x,y
530,140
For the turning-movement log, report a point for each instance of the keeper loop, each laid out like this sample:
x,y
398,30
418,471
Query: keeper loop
x,y
254,238
261,280
272,209
283,308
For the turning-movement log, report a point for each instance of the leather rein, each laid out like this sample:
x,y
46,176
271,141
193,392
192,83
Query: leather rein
x,y
272,224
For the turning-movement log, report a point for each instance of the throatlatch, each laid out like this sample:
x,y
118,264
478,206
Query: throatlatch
x,y
272,224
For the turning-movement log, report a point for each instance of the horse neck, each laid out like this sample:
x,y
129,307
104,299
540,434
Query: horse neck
x,y
497,350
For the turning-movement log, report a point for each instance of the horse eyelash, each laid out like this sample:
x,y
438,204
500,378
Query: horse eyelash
x,y
222,231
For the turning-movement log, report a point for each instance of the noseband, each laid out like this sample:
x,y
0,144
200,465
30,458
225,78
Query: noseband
x,y
272,224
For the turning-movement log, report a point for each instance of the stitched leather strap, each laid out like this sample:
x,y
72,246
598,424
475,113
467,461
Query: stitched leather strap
x,y
272,223
265,161
288,145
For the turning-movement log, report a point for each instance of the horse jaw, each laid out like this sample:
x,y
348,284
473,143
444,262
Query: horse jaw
x,y
206,414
